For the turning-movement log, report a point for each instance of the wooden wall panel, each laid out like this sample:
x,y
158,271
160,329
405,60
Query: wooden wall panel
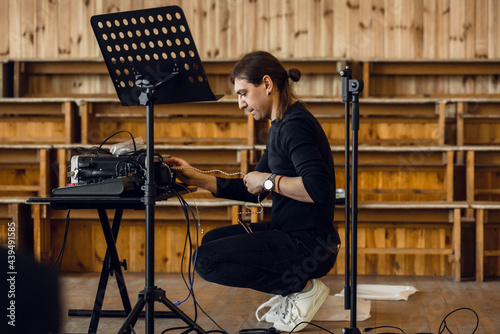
x,y
413,29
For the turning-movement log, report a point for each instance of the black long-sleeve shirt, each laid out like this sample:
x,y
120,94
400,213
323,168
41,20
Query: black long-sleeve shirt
x,y
296,146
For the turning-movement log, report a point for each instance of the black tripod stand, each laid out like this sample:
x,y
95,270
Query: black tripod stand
x,y
152,59
350,93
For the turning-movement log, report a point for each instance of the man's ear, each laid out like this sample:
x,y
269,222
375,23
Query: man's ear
x,y
268,82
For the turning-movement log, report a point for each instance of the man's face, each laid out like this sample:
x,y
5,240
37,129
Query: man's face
x,y
253,99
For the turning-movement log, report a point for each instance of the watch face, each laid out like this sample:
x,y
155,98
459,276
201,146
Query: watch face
x,y
268,185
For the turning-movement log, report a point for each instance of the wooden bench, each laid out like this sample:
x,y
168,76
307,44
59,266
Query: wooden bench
x,y
25,170
38,121
421,121
401,238
430,77
89,77
186,123
61,78
487,215
400,173
428,232
478,121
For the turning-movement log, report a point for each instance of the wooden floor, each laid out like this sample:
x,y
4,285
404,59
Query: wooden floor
x,y
233,309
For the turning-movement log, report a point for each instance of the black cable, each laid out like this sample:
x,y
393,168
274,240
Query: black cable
x,y
189,282
197,305
379,327
63,246
309,323
114,134
443,325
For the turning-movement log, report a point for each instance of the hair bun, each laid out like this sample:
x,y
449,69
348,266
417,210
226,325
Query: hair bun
x,y
293,74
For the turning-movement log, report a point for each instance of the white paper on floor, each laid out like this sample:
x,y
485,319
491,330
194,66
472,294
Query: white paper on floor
x,y
383,292
333,310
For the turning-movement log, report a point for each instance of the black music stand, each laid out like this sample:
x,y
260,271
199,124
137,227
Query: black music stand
x,y
152,59
350,93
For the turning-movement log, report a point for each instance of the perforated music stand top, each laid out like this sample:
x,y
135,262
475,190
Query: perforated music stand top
x,y
152,42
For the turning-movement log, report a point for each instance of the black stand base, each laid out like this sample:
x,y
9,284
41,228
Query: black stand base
x,y
116,314
156,295
351,331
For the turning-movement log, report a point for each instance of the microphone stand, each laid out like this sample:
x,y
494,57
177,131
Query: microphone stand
x,y
350,93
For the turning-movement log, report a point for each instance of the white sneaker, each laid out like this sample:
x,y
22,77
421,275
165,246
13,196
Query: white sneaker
x,y
301,307
273,314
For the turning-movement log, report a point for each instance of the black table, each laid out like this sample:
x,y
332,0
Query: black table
x,y
112,264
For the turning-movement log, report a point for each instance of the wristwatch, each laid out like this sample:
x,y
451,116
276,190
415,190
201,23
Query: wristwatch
x,y
269,183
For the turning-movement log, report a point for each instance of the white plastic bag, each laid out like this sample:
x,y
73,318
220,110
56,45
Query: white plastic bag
x,y
383,292
127,147
333,310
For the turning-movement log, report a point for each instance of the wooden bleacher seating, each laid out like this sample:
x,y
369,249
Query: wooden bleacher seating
x,y
418,125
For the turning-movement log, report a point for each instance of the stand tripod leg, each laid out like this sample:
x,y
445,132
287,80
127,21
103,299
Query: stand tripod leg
x,y
111,264
101,289
120,280
133,315
180,314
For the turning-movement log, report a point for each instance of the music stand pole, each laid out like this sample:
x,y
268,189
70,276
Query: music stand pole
x,y
350,93
149,201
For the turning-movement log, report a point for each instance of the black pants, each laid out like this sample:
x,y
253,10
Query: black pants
x,y
265,260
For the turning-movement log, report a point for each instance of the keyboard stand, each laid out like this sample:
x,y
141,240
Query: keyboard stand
x,y
111,264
